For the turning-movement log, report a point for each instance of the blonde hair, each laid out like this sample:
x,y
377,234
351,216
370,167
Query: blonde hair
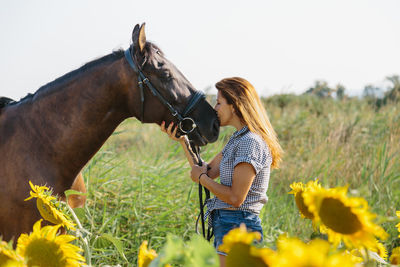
x,y
248,107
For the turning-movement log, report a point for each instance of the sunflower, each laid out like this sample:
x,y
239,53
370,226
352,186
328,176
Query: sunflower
x,y
318,252
381,250
238,245
344,218
356,255
380,254
40,191
395,257
8,257
238,235
145,256
43,247
47,208
297,191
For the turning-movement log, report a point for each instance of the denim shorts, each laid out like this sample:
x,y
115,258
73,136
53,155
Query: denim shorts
x,y
225,220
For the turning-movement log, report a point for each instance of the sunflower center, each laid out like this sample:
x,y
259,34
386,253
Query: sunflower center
x,y
302,207
239,256
41,252
335,215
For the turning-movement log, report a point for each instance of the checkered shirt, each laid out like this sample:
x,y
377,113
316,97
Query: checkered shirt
x,y
244,146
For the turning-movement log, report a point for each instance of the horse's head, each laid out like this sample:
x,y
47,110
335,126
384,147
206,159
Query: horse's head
x,y
167,95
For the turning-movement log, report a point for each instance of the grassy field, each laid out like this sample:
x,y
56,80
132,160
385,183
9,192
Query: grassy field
x,y
139,185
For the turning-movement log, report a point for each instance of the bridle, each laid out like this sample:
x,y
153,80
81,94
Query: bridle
x,y
185,123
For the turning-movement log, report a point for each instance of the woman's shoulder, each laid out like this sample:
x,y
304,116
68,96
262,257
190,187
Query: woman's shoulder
x,y
253,147
252,139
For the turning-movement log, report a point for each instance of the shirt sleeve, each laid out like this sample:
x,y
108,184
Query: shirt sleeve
x,y
252,151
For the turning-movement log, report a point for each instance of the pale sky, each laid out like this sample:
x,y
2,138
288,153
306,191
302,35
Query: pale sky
x,y
280,46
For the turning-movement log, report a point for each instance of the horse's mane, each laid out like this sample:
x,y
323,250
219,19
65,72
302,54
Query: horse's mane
x,y
150,50
4,101
67,77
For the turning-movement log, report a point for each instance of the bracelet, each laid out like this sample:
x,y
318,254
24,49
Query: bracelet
x,y
201,175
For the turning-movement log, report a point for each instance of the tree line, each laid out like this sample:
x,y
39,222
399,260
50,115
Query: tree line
x,y
374,94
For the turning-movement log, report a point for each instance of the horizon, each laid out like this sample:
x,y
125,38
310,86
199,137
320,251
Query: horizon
x,y
280,47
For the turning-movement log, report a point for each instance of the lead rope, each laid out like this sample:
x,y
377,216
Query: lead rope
x,y
196,150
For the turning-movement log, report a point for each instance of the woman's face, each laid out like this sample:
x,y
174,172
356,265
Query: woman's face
x,y
225,111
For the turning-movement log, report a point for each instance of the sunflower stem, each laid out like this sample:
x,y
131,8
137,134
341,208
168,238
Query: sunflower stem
x,y
366,255
88,255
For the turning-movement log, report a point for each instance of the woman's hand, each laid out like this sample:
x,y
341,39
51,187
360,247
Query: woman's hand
x,y
171,131
197,170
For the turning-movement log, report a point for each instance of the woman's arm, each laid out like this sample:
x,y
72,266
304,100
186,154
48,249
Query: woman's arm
x,y
234,195
190,155
213,166
183,140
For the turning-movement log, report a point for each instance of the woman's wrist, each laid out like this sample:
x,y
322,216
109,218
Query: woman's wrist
x,y
203,173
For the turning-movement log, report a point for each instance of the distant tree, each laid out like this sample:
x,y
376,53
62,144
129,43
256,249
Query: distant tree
x,y
371,91
373,95
393,92
340,92
320,89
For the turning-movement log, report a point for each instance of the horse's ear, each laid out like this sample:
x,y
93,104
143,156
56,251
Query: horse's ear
x,y
135,31
142,37
139,37
135,34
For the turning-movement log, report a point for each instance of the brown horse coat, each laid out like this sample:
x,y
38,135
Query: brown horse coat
x,y
49,136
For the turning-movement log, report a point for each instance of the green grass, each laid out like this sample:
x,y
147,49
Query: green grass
x,y
139,185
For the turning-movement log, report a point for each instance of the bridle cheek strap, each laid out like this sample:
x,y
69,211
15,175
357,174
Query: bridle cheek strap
x,y
142,79
193,102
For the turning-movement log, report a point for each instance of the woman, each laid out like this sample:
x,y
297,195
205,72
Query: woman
x,y
243,165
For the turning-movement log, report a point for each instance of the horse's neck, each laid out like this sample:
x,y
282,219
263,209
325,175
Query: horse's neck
x,y
74,121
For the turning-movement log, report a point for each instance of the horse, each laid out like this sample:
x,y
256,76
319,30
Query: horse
x,y
48,137
74,200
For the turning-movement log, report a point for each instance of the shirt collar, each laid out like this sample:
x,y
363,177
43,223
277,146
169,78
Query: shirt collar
x,y
240,132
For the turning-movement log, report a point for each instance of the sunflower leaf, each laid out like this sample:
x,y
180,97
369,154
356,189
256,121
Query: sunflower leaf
x,y
117,243
73,192
80,213
200,253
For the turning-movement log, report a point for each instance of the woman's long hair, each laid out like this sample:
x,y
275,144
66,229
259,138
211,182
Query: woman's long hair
x,y
248,107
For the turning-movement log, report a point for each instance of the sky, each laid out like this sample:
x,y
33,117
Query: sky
x,y
280,46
